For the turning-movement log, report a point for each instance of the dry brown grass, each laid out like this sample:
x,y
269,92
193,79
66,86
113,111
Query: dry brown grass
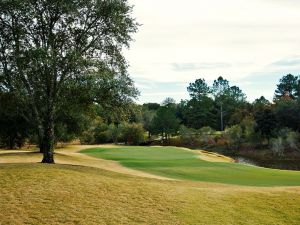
x,y
33,193
64,194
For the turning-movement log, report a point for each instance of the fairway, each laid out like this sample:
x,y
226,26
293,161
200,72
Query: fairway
x,y
182,164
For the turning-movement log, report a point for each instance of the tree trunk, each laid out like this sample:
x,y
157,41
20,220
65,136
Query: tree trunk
x,y
48,139
41,137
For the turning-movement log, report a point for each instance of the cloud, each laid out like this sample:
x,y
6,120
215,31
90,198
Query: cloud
x,y
292,61
198,66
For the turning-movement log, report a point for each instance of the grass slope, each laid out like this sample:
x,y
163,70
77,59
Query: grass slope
x,y
181,164
64,194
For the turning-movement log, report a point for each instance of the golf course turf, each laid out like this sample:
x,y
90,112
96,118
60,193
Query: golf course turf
x,y
80,189
182,164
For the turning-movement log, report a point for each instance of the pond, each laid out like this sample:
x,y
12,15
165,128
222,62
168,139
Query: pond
x,y
284,164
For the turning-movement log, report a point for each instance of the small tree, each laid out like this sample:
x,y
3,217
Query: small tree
x,y
277,146
234,136
165,121
133,134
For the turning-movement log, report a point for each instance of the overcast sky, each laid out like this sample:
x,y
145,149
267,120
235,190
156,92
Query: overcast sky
x,y
252,43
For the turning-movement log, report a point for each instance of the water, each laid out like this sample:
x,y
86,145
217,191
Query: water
x,y
283,164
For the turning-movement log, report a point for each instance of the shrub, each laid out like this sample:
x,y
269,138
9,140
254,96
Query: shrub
x,y
252,137
277,146
188,136
233,136
206,135
114,132
292,140
133,133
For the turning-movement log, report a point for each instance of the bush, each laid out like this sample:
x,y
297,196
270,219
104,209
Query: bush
x,y
114,133
133,133
233,136
206,135
277,146
252,138
87,137
188,136
292,140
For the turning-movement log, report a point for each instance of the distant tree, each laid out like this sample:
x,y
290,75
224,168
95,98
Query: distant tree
x,y
169,102
147,119
287,113
220,87
165,122
151,106
287,87
234,136
261,103
266,123
48,46
227,100
199,113
198,89
133,134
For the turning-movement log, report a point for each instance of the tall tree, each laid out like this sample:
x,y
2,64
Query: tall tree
x,y
287,87
198,89
47,46
165,121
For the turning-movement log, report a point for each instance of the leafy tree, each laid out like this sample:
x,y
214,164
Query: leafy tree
x,y
287,87
165,121
234,135
170,102
287,113
151,106
147,120
227,99
48,46
199,113
199,89
266,122
133,134
261,103
15,125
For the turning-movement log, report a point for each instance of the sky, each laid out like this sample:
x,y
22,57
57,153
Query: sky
x,y
250,43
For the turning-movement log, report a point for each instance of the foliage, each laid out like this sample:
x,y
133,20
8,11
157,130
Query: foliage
x,y
133,134
165,121
48,48
234,135
15,125
198,89
292,140
287,87
287,113
277,146
266,122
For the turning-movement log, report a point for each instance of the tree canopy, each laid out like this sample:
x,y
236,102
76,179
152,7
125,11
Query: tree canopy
x,y
54,52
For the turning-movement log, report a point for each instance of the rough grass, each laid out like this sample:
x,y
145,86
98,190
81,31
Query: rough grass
x,y
64,194
34,193
182,164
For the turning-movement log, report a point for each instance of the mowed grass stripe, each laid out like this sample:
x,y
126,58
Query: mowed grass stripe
x,y
178,163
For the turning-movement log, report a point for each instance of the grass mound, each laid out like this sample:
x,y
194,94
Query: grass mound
x,y
182,164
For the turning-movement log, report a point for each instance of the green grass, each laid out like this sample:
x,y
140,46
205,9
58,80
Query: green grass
x,y
181,164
